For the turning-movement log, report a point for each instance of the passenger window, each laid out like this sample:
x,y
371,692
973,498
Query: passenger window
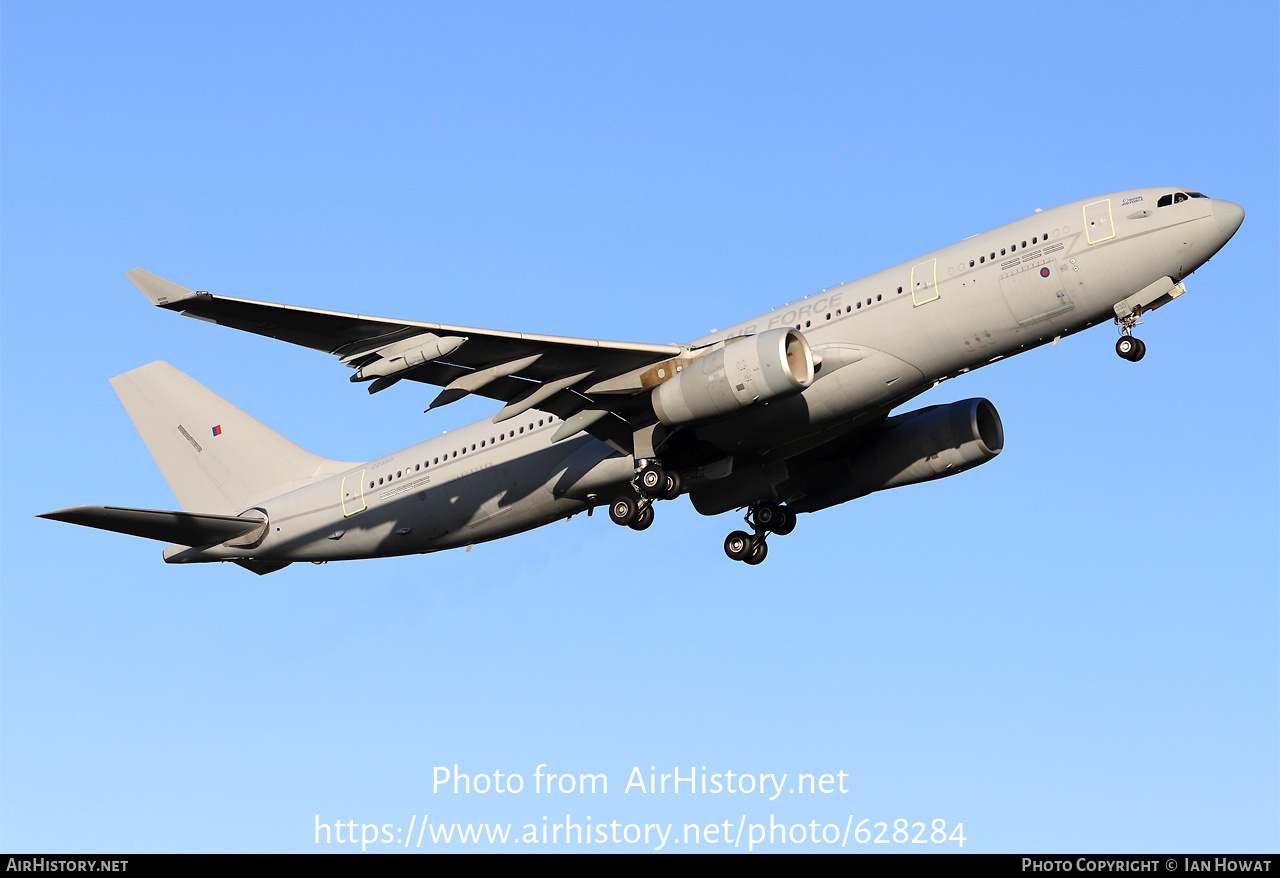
x,y
971,263
982,259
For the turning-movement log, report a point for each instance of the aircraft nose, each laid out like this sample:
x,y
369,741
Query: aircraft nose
x,y
1228,215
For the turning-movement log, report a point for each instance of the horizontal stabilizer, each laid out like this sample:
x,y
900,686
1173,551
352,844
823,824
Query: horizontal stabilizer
x,y
185,528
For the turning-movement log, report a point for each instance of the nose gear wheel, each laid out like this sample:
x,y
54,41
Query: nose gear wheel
x,y
1130,348
1127,346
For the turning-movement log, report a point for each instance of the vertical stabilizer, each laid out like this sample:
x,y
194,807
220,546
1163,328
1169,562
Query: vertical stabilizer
x,y
215,457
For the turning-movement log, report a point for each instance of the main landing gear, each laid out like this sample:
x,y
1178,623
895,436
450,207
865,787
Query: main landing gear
x,y
764,518
651,483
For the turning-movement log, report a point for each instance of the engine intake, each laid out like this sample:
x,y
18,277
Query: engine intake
x,y
745,372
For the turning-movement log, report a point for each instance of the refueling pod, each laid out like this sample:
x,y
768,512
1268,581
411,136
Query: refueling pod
x,y
408,354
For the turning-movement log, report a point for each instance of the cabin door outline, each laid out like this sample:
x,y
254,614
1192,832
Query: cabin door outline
x,y
1098,223
353,494
924,282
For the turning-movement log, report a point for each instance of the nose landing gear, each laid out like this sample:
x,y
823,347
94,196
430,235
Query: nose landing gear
x,y
1127,346
764,518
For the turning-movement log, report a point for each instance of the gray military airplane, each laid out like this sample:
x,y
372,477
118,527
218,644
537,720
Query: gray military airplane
x,y
786,413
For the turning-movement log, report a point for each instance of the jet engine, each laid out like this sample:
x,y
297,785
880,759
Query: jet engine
x,y
746,371
916,447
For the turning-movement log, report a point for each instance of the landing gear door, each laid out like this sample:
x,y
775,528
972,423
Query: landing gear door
x,y
1098,225
353,494
924,282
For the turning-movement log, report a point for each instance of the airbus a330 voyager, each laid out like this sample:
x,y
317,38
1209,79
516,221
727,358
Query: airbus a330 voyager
x,y
785,413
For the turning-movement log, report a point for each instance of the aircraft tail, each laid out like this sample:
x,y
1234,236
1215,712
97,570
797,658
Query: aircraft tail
x,y
216,458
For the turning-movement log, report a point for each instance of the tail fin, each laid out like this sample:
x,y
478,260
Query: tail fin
x,y
215,457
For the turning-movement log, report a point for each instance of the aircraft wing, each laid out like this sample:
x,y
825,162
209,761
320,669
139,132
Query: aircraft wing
x,y
554,373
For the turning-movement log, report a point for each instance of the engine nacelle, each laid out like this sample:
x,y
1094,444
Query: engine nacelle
x,y
919,446
756,369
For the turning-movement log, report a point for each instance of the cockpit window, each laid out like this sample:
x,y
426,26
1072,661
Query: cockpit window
x,y
1177,198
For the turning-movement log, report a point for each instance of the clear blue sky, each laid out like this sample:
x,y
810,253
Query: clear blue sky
x,y
1074,647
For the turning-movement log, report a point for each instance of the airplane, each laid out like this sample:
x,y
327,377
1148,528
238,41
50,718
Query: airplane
x,y
786,413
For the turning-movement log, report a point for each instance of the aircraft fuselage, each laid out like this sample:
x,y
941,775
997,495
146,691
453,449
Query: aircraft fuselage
x,y
882,339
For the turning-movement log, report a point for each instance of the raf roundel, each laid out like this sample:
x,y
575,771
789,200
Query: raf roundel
x,y
1044,272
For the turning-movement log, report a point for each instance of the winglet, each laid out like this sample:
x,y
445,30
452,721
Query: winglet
x,y
158,290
